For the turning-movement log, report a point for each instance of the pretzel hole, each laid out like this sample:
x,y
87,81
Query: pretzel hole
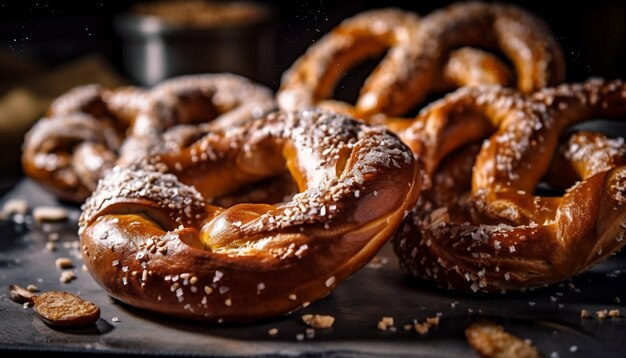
x,y
354,76
195,107
274,190
600,152
292,172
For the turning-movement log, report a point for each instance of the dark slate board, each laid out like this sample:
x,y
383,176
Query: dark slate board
x,y
357,304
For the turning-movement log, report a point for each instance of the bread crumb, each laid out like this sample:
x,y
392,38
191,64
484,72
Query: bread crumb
x,y
51,246
67,276
32,288
63,263
491,340
614,313
385,323
318,321
272,331
584,313
14,206
601,314
433,321
421,328
49,213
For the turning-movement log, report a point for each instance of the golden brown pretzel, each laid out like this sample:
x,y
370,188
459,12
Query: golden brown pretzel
x,y
495,233
71,148
523,38
214,100
153,242
313,76
418,53
79,141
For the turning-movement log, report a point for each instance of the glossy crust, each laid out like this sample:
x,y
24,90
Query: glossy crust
x,y
493,233
211,100
70,149
153,242
80,139
420,56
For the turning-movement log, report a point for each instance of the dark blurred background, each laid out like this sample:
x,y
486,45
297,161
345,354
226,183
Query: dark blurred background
x,y
48,47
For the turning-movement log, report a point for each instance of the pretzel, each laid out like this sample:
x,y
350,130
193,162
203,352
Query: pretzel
x,y
494,233
81,137
151,239
418,51
212,100
75,144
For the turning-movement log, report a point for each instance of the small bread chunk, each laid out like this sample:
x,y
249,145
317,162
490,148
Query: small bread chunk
x,y
63,309
490,340
63,263
49,213
14,206
318,321
20,295
385,323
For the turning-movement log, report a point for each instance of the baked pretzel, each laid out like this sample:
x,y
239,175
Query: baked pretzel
x,y
420,56
71,148
211,100
494,233
80,139
154,242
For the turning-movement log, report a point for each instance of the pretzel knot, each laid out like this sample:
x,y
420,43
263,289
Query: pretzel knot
x,y
422,57
495,233
153,240
81,138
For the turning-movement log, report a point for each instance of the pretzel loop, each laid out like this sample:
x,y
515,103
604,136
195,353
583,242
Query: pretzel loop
x,y
494,233
251,260
81,138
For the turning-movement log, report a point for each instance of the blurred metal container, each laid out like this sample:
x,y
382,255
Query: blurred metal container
x,y
154,50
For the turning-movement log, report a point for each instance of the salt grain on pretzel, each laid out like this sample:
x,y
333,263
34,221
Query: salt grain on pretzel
x,y
496,233
248,261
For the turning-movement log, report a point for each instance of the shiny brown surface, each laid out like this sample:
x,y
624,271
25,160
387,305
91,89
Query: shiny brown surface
x,y
419,57
494,233
83,135
153,241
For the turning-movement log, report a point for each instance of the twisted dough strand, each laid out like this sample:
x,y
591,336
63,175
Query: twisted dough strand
x,y
248,261
422,57
494,233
